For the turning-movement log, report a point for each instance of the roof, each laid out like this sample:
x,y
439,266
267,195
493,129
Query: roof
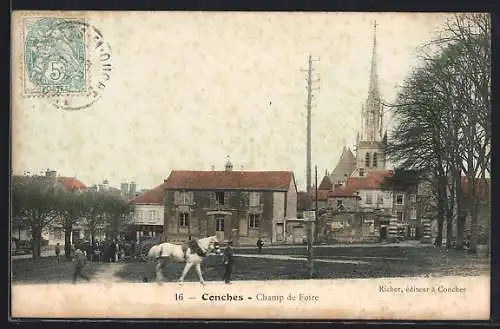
x,y
326,184
71,183
322,195
371,181
345,166
153,196
237,180
342,191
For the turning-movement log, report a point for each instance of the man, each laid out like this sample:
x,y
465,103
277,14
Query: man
x,y
80,260
58,252
260,243
228,260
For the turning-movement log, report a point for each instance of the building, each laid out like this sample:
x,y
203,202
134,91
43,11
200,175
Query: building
x,y
149,210
358,206
237,205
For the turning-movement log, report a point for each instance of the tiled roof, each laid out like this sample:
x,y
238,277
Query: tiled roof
x,y
153,196
342,192
326,184
322,195
71,183
249,180
371,181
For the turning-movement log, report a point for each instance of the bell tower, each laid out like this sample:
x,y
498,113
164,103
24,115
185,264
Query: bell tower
x,y
370,154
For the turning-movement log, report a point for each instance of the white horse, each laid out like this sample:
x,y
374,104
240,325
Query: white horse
x,y
192,254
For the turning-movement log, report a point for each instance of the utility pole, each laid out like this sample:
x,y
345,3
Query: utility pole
x,y
316,227
310,89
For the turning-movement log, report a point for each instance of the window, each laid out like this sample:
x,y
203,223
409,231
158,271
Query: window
x,y
374,162
399,214
361,171
399,199
219,197
254,221
183,197
413,198
339,203
152,215
368,198
367,160
254,199
413,232
413,213
219,223
183,219
140,214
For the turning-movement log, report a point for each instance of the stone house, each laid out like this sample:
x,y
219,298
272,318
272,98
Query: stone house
x,y
237,205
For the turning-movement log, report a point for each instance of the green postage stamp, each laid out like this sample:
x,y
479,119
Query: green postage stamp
x,y
65,61
55,55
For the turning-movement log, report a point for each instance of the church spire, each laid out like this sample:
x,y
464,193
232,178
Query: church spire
x,y
371,112
373,72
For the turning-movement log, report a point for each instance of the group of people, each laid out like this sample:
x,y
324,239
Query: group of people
x,y
80,259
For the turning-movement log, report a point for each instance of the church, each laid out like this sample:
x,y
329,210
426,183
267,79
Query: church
x,y
354,204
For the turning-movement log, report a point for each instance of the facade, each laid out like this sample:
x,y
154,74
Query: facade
x,y
237,205
149,211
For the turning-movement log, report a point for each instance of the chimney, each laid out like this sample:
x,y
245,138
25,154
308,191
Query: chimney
x,y
133,187
229,165
124,189
51,175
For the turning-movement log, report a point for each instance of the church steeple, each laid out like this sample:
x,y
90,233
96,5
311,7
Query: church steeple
x,y
370,151
371,112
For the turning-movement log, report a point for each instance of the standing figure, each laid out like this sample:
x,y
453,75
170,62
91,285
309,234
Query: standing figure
x,y
58,252
80,261
228,260
260,243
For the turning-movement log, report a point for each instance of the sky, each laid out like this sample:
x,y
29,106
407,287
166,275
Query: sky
x,y
189,89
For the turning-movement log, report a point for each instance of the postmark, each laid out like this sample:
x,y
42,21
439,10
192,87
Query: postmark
x,y
66,62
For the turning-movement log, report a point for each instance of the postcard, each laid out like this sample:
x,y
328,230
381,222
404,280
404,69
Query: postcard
x,y
250,165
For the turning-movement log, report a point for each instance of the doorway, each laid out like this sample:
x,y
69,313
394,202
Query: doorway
x,y
383,232
219,227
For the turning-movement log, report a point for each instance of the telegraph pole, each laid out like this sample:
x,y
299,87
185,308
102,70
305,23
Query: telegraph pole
x,y
310,89
316,227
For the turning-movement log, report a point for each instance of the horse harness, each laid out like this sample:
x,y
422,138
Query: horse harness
x,y
195,248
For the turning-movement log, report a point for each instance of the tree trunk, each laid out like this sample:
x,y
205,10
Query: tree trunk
x,y
460,224
441,209
36,240
473,222
439,238
67,241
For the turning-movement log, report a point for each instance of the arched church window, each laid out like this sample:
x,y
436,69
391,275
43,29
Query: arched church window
x,y
367,160
374,162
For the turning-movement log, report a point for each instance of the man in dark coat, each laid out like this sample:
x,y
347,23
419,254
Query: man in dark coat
x,y
260,243
228,260
80,260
